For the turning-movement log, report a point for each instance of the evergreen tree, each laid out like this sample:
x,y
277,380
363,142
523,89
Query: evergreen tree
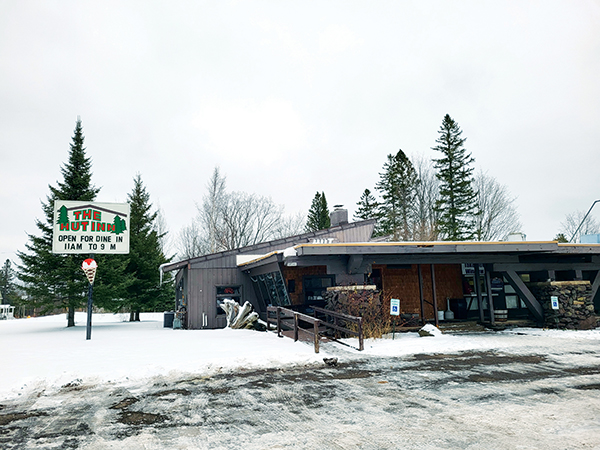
x,y
456,206
318,214
7,286
367,207
145,257
397,185
55,281
561,238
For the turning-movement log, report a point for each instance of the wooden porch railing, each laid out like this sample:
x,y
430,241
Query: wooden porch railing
x,y
291,320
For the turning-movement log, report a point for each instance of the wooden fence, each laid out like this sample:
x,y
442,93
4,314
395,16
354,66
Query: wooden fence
x,y
291,320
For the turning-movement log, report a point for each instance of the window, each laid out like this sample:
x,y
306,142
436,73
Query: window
x,y
314,286
271,288
229,292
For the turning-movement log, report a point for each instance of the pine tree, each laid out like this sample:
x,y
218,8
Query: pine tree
x,y
145,257
367,206
318,214
397,186
55,281
456,206
561,238
7,286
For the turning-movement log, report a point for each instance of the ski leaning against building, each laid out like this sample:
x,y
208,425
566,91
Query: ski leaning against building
x,y
90,227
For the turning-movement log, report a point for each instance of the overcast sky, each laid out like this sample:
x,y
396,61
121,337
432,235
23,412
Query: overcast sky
x,y
289,98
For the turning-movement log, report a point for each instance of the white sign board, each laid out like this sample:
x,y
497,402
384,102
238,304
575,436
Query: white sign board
x,y
395,307
90,227
554,301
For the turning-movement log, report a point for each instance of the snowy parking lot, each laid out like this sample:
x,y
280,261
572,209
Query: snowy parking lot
x,y
143,386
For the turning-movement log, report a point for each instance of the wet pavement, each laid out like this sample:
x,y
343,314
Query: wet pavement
x,y
459,401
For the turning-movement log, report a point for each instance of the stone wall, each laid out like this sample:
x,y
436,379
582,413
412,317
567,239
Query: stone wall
x,y
576,306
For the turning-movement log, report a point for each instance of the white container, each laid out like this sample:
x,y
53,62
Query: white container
x,y
440,315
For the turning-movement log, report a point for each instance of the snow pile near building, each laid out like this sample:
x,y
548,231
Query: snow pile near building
x,y
429,330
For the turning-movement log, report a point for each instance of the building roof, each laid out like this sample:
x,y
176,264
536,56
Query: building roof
x,y
523,253
271,246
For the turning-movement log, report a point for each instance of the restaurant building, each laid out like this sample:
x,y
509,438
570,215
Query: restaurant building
x,y
552,284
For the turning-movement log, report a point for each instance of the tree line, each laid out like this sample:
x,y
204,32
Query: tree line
x,y
124,283
438,199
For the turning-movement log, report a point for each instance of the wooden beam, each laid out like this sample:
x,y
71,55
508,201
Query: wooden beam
x,y
525,294
490,294
421,294
354,263
595,287
535,267
435,308
478,291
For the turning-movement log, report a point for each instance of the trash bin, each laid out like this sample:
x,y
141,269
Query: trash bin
x,y
459,307
168,321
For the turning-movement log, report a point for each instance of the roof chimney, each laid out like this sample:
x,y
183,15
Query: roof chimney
x,y
339,215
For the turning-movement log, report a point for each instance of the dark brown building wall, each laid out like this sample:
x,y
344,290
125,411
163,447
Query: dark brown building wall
x,y
404,285
296,274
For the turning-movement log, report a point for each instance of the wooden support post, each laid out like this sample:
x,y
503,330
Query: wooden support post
x,y
488,288
295,327
279,322
595,290
421,294
478,291
521,288
361,343
435,308
316,332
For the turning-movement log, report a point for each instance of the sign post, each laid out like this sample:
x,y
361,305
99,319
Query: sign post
x,y
89,267
394,311
90,227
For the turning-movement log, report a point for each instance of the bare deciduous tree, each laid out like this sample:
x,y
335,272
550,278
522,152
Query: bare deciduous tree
x,y
497,216
247,219
162,229
427,193
226,221
572,222
191,242
291,225
213,203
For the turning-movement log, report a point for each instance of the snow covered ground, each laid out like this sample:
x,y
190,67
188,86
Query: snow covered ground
x,y
139,385
44,351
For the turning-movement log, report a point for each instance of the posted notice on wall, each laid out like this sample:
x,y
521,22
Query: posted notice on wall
x,y
90,227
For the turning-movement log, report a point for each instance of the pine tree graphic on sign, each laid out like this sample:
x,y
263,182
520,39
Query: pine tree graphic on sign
x,y
120,226
63,216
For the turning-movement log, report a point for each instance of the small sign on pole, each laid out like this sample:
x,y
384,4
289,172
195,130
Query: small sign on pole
x,y
89,267
395,307
554,301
